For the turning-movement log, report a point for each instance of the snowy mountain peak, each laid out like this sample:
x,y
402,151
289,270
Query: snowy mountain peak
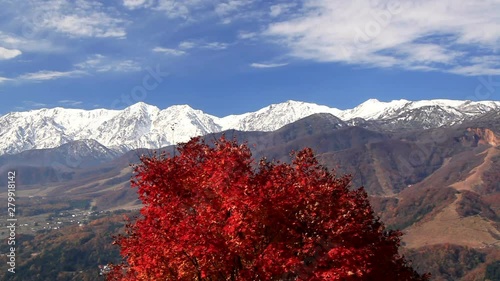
x,y
181,107
143,107
370,102
292,103
373,109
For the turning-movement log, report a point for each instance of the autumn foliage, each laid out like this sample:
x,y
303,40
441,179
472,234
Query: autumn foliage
x,y
211,213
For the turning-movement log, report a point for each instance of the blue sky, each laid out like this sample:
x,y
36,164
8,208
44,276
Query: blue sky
x,y
235,56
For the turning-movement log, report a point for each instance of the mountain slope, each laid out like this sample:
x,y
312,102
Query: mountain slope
x,y
440,186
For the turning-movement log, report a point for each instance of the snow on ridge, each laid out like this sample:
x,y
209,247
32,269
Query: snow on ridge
x,y
274,116
373,109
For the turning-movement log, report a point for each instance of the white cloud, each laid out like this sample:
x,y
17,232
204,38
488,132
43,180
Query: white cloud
x,y
122,66
9,40
190,10
195,10
4,79
92,62
279,9
6,54
240,10
168,51
216,46
227,7
28,45
100,63
411,34
74,18
187,45
475,70
70,102
267,65
90,26
427,53
247,35
135,4
50,75
484,65
34,104
182,9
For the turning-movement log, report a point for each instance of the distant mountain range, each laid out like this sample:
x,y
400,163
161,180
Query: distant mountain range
x,y
431,168
411,175
146,126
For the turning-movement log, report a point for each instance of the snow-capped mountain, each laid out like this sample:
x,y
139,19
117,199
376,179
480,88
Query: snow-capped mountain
x,y
47,128
275,116
146,126
373,109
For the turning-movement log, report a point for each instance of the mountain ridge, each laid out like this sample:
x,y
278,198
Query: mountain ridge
x,y
146,126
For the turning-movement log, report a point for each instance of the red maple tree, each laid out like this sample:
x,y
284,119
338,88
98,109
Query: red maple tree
x,y
211,213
